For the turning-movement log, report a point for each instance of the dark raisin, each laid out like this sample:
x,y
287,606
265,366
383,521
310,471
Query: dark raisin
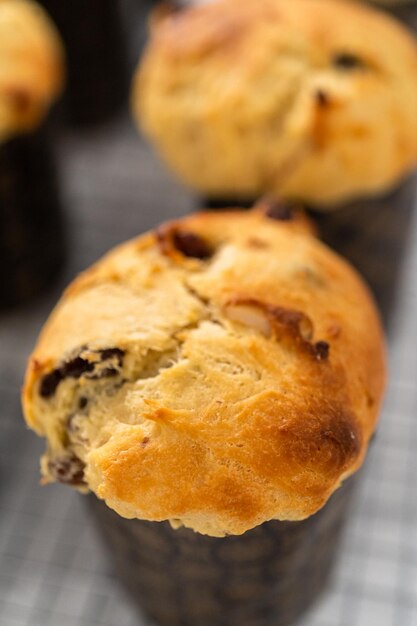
x,y
72,369
347,61
82,402
321,350
191,245
76,368
68,470
279,210
322,98
109,353
49,383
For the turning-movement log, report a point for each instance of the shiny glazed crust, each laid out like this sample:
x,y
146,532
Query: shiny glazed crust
x,y
31,66
222,371
313,99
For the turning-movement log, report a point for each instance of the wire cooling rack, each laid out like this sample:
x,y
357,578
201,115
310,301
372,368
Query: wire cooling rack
x,y
53,568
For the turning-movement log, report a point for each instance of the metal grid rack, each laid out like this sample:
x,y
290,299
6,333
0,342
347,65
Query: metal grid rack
x,y
53,568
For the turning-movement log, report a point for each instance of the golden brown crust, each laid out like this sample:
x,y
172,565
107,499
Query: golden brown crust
x,y
312,99
218,390
31,66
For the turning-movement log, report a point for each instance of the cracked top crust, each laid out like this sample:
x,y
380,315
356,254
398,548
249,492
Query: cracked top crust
x,y
31,66
312,99
222,371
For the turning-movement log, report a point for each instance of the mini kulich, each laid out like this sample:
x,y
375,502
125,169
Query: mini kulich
x,y
31,67
312,99
221,371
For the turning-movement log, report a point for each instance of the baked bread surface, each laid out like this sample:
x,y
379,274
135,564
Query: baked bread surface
x,y
222,371
31,66
312,99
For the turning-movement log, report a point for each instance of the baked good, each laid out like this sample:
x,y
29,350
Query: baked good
x,y
224,370
31,66
313,99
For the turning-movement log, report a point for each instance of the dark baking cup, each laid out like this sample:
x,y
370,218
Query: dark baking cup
x,y
97,84
373,234
267,577
31,224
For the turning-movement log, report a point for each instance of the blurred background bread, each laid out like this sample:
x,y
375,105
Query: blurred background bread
x,y
31,66
313,99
